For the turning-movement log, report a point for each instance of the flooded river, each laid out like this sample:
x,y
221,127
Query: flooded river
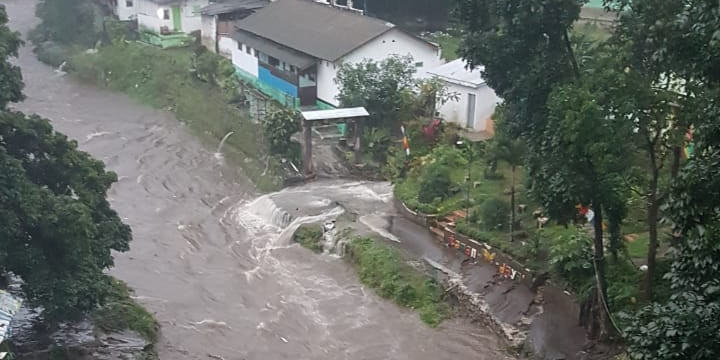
x,y
212,258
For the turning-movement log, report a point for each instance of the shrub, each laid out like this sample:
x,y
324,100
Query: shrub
x,y
494,214
384,269
571,256
310,237
435,184
120,312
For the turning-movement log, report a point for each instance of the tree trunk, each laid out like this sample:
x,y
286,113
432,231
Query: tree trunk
x,y
600,326
652,219
675,167
653,204
512,206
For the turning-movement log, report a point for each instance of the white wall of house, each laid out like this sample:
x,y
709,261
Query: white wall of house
x,y
239,55
191,18
149,15
457,111
394,42
126,9
208,31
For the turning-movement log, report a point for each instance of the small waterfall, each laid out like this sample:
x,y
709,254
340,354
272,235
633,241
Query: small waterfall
x,y
266,209
218,152
262,213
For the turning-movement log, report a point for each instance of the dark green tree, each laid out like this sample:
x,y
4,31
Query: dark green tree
x,y
57,229
686,326
10,76
511,151
384,88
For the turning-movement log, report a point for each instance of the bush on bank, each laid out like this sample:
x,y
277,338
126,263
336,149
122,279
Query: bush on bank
x,y
310,236
384,269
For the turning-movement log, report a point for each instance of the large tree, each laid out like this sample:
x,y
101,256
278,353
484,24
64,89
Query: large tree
x,y
384,88
687,327
57,229
10,76
574,150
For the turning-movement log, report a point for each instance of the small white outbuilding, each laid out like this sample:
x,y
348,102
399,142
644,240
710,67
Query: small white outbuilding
x,y
477,101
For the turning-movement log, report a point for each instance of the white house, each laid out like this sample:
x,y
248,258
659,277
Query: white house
x,y
217,19
297,46
477,101
163,16
125,10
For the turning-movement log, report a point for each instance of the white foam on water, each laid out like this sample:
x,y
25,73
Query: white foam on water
x,y
96,134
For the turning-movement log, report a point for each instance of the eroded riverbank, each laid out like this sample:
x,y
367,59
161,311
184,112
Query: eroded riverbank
x,y
208,257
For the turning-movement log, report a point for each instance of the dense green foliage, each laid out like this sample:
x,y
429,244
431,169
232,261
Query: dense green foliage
x,y
310,236
494,214
120,312
435,184
604,118
10,76
384,88
57,229
279,125
384,269
69,22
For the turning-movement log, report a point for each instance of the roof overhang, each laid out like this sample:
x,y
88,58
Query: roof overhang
x,y
293,57
334,114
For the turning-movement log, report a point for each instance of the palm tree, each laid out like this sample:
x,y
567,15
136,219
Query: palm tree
x,y
511,151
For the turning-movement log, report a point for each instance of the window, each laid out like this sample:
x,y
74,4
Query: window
x,y
334,67
311,77
248,50
196,10
240,46
419,64
129,3
273,61
255,53
292,68
166,14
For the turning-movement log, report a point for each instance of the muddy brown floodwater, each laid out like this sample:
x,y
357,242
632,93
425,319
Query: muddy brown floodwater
x,y
211,258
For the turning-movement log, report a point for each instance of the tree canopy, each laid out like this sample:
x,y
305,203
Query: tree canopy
x,y
57,229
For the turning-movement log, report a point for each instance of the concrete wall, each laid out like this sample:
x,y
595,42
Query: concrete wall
x,y
208,28
125,12
394,42
238,54
457,111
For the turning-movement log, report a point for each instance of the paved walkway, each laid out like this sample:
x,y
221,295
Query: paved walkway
x,y
552,332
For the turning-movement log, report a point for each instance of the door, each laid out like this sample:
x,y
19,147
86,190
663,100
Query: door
x,y
470,122
177,21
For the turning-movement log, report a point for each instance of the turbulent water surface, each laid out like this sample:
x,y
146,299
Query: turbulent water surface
x,y
212,259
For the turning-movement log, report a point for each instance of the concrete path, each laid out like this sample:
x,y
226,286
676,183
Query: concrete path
x,y
551,327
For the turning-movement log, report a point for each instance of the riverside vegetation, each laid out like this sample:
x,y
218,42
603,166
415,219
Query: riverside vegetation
x,y
57,229
386,270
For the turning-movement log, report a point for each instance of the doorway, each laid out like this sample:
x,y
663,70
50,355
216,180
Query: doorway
x,y
177,21
470,122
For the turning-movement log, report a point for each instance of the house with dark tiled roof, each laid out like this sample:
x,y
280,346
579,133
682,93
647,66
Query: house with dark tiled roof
x,y
295,47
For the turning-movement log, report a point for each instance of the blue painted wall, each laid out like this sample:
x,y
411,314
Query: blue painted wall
x,y
268,78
